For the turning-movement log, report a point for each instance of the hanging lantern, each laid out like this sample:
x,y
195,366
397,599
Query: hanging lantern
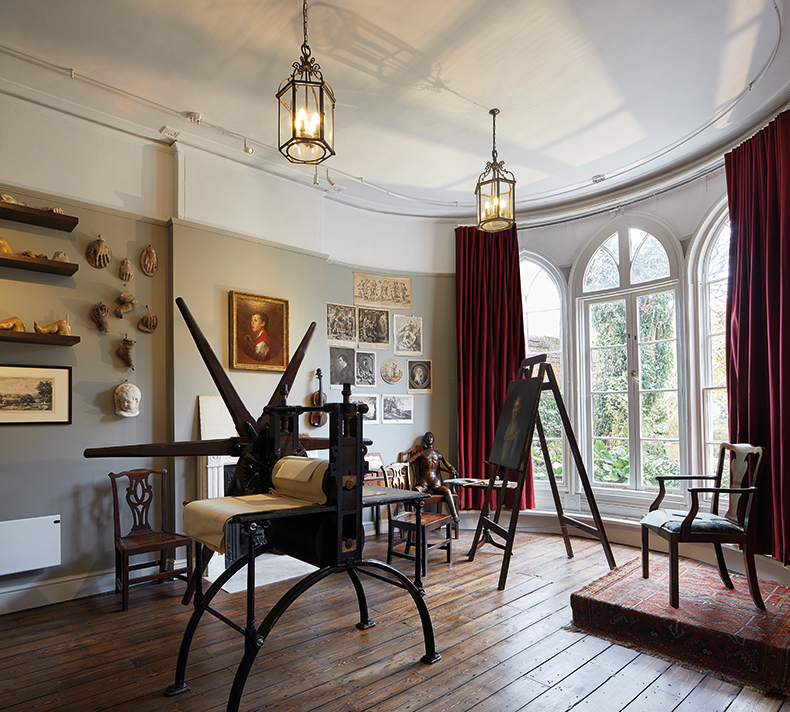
x,y
495,193
306,110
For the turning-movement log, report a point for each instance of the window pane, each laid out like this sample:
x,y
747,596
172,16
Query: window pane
x,y
610,415
660,414
611,462
715,403
658,366
539,289
609,369
717,305
718,258
602,272
607,324
719,364
539,470
650,260
660,458
656,316
543,331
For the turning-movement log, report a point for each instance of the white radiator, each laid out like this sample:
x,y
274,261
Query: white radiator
x,y
28,544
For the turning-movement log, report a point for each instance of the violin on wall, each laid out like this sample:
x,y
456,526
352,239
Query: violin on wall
x,y
318,398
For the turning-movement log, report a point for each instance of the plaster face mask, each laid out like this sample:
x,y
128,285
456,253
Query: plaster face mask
x,y
127,400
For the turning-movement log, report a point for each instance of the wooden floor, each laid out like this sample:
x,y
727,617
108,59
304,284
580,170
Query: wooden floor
x,y
501,650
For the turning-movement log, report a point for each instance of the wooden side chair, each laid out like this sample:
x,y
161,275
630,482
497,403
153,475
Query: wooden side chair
x,y
403,521
142,537
737,526
435,502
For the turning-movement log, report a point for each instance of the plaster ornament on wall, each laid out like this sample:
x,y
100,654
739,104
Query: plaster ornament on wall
x,y
5,247
99,314
127,400
6,198
56,327
148,323
13,323
128,302
149,261
125,352
60,257
126,272
98,254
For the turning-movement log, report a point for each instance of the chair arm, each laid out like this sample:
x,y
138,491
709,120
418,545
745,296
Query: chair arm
x,y
685,527
722,490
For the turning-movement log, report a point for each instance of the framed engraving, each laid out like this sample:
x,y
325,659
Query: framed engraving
x,y
365,370
397,409
341,325
341,367
35,394
258,332
391,371
370,418
420,375
374,328
375,290
408,335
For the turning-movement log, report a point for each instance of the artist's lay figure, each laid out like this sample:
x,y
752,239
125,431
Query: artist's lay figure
x,y
430,480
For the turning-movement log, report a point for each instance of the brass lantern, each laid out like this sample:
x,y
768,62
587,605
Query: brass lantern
x,y
306,110
495,193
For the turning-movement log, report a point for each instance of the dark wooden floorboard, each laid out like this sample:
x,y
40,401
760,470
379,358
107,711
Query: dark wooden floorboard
x,y
505,650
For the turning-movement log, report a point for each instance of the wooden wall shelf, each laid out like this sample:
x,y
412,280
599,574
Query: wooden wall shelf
x,y
27,337
34,216
33,264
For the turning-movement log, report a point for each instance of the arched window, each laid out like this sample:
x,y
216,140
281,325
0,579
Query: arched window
x,y
544,324
629,306
713,278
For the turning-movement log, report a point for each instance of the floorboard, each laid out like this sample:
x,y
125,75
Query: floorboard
x,y
506,650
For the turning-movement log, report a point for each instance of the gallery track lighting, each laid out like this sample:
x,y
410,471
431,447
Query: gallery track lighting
x,y
306,110
495,193
247,148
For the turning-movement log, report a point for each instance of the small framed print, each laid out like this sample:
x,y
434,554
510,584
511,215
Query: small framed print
x,y
420,375
341,325
371,417
374,328
35,394
408,335
397,409
391,371
258,332
365,371
341,367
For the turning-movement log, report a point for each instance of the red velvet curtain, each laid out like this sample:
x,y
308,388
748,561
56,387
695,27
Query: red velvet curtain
x,y
490,346
758,326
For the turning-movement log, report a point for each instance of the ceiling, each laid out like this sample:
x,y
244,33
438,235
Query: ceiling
x,y
601,100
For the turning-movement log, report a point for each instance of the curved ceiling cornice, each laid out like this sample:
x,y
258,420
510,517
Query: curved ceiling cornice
x,y
602,102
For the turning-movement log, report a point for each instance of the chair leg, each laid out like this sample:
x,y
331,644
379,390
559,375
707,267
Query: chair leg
x,y
390,540
751,576
723,573
125,583
118,570
674,579
645,552
449,544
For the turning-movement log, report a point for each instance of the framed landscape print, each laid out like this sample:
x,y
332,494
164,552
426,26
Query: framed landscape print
x,y
258,329
397,409
371,417
35,394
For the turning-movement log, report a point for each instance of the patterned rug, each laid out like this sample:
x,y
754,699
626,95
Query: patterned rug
x,y
715,630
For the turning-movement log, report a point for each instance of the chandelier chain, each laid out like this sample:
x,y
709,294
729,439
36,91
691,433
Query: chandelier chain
x,y
305,46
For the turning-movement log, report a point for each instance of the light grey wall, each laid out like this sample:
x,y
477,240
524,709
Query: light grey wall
x,y
43,469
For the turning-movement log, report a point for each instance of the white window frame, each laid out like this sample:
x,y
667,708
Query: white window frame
x,y
622,502
543,497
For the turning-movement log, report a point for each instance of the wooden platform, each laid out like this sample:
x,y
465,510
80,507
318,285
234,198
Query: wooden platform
x,y
501,650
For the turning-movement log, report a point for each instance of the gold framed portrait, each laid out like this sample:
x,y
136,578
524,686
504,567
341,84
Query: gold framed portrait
x,y
258,328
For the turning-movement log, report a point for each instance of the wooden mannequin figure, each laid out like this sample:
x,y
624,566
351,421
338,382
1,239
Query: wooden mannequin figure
x,y
429,462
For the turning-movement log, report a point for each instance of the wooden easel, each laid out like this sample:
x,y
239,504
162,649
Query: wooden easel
x,y
541,378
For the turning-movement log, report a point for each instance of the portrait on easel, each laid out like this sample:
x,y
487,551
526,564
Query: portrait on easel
x,y
513,426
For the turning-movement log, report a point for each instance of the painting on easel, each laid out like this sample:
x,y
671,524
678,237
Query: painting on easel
x,y
514,421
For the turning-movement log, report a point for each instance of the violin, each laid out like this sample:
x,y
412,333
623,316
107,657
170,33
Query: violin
x,y
319,399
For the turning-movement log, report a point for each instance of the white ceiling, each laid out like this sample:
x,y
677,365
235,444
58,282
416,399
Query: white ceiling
x,y
642,93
